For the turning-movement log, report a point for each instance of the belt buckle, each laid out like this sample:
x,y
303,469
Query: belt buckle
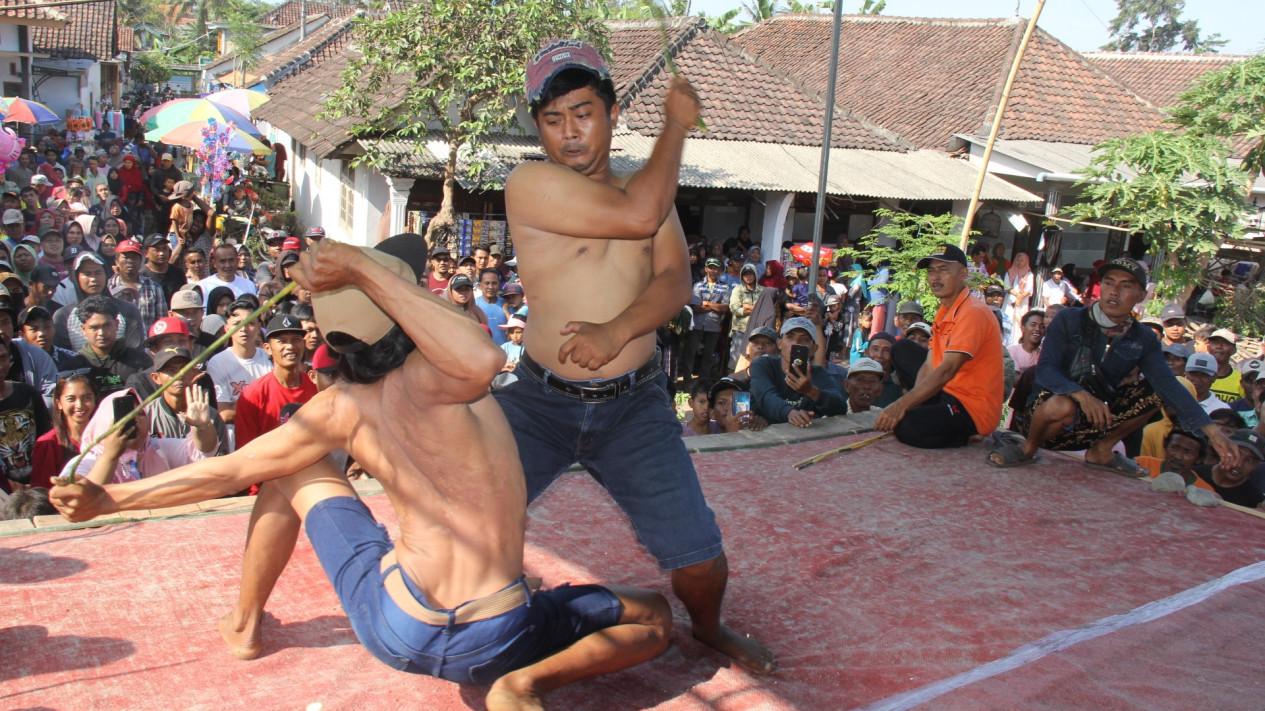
x,y
599,392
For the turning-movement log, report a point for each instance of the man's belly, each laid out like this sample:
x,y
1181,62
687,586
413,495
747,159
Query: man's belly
x,y
544,350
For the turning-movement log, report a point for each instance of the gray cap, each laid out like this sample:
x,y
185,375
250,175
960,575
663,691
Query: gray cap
x,y
1201,363
920,326
1172,311
1181,350
795,322
1250,440
864,365
909,307
763,331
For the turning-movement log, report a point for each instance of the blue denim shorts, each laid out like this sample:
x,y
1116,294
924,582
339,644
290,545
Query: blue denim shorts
x,y
632,447
350,545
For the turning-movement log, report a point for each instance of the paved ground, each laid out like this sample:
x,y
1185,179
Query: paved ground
x,y
888,577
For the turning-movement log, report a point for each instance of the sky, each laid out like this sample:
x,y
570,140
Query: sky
x,y
1080,24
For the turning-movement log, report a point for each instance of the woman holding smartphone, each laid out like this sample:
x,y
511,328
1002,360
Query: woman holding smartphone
x,y
131,453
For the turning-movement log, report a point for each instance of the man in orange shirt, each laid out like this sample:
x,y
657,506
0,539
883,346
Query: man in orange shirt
x,y
958,393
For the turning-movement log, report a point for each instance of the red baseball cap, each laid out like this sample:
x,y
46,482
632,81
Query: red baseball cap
x,y
129,245
558,55
292,243
323,361
169,324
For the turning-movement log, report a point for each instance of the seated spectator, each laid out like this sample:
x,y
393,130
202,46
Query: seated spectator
x,y
761,341
959,390
27,503
920,333
1154,433
1087,395
1026,352
131,453
863,384
1201,371
25,419
151,302
1182,452
241,364
1058,291
995,298
907,314
158,267
187,304
1232,479
720,398
258,409
780,393
700,422
167,332
1228,385
1176,355
881,352
74,402
168,415
224,261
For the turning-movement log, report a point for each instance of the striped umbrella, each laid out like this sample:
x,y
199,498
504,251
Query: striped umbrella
x,y
24,111
177,112
243,101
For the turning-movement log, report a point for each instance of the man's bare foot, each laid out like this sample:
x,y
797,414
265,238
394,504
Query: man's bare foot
x,y
746,651
504,696
241,636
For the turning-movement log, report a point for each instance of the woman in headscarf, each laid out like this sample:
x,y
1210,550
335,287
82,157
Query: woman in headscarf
x,y
91,226
25,258
113,231
773,275
218,300
114,182
72,234
1020,286
131,454
46,219
754,258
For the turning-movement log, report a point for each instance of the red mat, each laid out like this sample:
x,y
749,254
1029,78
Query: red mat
x,y
875,573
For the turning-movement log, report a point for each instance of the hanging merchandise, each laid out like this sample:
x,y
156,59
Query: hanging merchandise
x,y
213,158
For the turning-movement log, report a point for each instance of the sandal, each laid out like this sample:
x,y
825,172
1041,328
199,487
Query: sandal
x,y
1121,465
1011,455
999,439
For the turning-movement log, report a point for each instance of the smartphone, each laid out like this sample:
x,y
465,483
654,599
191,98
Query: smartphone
x,y
122,406
800,359
742,402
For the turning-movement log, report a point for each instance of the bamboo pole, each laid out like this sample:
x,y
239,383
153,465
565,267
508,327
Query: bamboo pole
x,y
992,134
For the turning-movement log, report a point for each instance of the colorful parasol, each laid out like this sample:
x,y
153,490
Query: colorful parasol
x,y
25,111
178,112
190,134
243,101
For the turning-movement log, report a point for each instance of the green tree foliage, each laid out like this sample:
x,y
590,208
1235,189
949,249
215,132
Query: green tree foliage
x,y
1229,103
455,66
901,239
149,68
247,37
134,12
1156,26
870,7
761,10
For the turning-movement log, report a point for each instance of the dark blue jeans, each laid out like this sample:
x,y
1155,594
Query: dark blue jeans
x,y
632,447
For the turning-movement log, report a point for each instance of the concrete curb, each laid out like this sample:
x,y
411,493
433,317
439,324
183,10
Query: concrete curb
x,y
773,436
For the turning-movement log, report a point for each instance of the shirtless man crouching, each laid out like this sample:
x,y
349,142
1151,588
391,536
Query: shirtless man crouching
x,y
457,489
603,257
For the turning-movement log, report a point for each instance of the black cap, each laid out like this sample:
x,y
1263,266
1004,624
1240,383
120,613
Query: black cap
x,y
284,323
994,289
721,386
1250,440
944,253
1124,264
459,281
33,313
157,239
440,248
46,275
166,355
287,258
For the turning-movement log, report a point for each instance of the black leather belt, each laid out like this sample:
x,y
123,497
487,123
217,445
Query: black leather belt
x,y
593,390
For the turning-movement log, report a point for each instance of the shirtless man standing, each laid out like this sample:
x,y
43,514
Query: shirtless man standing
x,y
589,385
457,490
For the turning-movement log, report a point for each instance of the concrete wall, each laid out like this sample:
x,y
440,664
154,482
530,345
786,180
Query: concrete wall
x,y
10,67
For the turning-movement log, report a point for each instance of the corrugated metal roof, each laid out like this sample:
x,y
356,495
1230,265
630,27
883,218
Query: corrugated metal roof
x,y
746,165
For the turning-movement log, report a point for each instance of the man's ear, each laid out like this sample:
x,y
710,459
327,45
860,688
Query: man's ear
x,y
153,377
614,114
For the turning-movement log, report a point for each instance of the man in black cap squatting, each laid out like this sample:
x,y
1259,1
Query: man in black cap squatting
x,y
1086,395
589,386
448,598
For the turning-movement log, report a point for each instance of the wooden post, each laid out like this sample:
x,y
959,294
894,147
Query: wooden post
x,y
992,135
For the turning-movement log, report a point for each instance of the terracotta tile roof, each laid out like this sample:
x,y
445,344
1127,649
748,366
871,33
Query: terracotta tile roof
x,y
90,34
928,79
330,37
126,39
312,70
744,98
1159,78
49,15
287,13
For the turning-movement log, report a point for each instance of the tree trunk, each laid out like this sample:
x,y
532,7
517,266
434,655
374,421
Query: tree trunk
x,y
441,225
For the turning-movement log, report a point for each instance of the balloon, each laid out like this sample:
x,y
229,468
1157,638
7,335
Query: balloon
x,y
803,253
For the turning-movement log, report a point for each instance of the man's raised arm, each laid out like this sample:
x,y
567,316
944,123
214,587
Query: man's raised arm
x,y
450,341
557,199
